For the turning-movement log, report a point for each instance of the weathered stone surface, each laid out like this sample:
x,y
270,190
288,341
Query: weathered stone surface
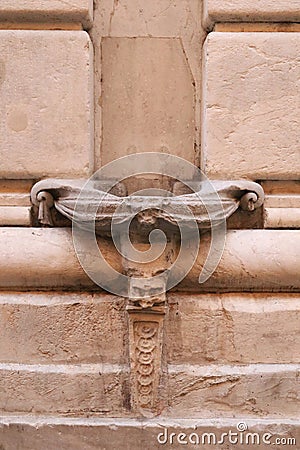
x,y
255,260
252,260
66,389
62,328
36,433
282,218
152,107
233,328
157,19
251,107
255,390
51,255
34,10
250,10
15,216
46,104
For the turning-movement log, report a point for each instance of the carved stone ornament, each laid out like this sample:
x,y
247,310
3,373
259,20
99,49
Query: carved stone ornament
x,y
98,207
91,208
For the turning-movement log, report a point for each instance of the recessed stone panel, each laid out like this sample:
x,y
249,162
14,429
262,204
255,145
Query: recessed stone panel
x,y
251,106
147,98
46,104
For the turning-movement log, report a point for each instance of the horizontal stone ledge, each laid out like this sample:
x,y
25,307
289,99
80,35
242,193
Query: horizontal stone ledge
x,y
38,421
282,218
15,216
252,260
250,11
65,369
130,434
51,10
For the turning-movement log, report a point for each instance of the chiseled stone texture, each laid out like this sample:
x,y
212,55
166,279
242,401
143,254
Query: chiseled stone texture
x,y
257,390
233,328
250,10
65,389
170,74
147,98
47,327
37,10
251,106
46,104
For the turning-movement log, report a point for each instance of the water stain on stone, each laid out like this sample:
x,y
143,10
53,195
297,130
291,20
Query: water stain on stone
x,y
17,119
2,75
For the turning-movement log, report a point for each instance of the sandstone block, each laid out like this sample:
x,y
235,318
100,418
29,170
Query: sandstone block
x,y
66,389
247,10
147,98
251,106
233,328
62,328
255,390
52,10
46,104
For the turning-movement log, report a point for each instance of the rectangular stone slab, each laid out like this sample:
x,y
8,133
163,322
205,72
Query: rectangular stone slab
x,y
46,104
147,98
85,328
64,389
251,109
233,328
250,10
49,10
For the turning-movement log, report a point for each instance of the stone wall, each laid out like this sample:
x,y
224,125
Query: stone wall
x,y
214,82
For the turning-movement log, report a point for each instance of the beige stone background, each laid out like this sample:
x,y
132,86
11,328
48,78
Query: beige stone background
x,y
82,83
